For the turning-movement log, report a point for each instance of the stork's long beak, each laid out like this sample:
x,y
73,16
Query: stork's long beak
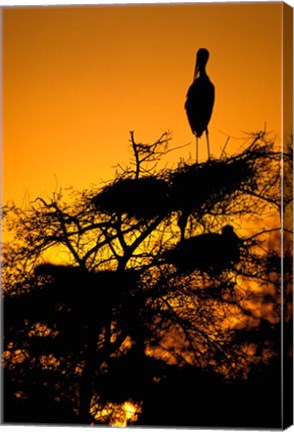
x,y
196,71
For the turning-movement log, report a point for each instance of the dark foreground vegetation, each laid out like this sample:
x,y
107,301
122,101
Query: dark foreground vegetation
x,y
166,309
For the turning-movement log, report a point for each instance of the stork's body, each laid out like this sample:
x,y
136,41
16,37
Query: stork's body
x,y
200,100
210,252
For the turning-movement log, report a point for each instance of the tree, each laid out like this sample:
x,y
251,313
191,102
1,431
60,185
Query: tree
x,y
169,276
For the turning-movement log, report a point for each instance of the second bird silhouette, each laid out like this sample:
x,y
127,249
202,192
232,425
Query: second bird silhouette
x,y
200,99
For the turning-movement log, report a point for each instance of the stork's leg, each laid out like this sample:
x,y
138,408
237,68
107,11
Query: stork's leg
x,y
207,141
182,222
196,149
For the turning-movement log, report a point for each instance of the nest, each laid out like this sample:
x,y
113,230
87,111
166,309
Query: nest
x,y
143,198
193,186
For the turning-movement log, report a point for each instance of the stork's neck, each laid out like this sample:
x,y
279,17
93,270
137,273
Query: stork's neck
x,y
200,72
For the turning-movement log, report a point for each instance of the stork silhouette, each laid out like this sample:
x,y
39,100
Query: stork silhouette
x,y
210,252
200,99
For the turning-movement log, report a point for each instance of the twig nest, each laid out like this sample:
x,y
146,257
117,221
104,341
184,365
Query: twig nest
x,y
142,198
196,185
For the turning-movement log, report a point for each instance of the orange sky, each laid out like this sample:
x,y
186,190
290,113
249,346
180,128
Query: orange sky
x,y
76,80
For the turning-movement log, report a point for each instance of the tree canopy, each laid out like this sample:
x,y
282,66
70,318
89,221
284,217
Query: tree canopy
x,y
119,299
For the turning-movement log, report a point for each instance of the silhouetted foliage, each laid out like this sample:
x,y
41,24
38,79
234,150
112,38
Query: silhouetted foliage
x,y
170,281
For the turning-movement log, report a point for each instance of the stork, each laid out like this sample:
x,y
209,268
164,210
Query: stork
x,y
210,252
200,99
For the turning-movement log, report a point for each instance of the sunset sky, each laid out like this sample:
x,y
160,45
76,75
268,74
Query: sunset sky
x,y
76,80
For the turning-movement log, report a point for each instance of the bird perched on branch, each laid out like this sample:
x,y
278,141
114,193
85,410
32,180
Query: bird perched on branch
x,y
200,99
211,252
